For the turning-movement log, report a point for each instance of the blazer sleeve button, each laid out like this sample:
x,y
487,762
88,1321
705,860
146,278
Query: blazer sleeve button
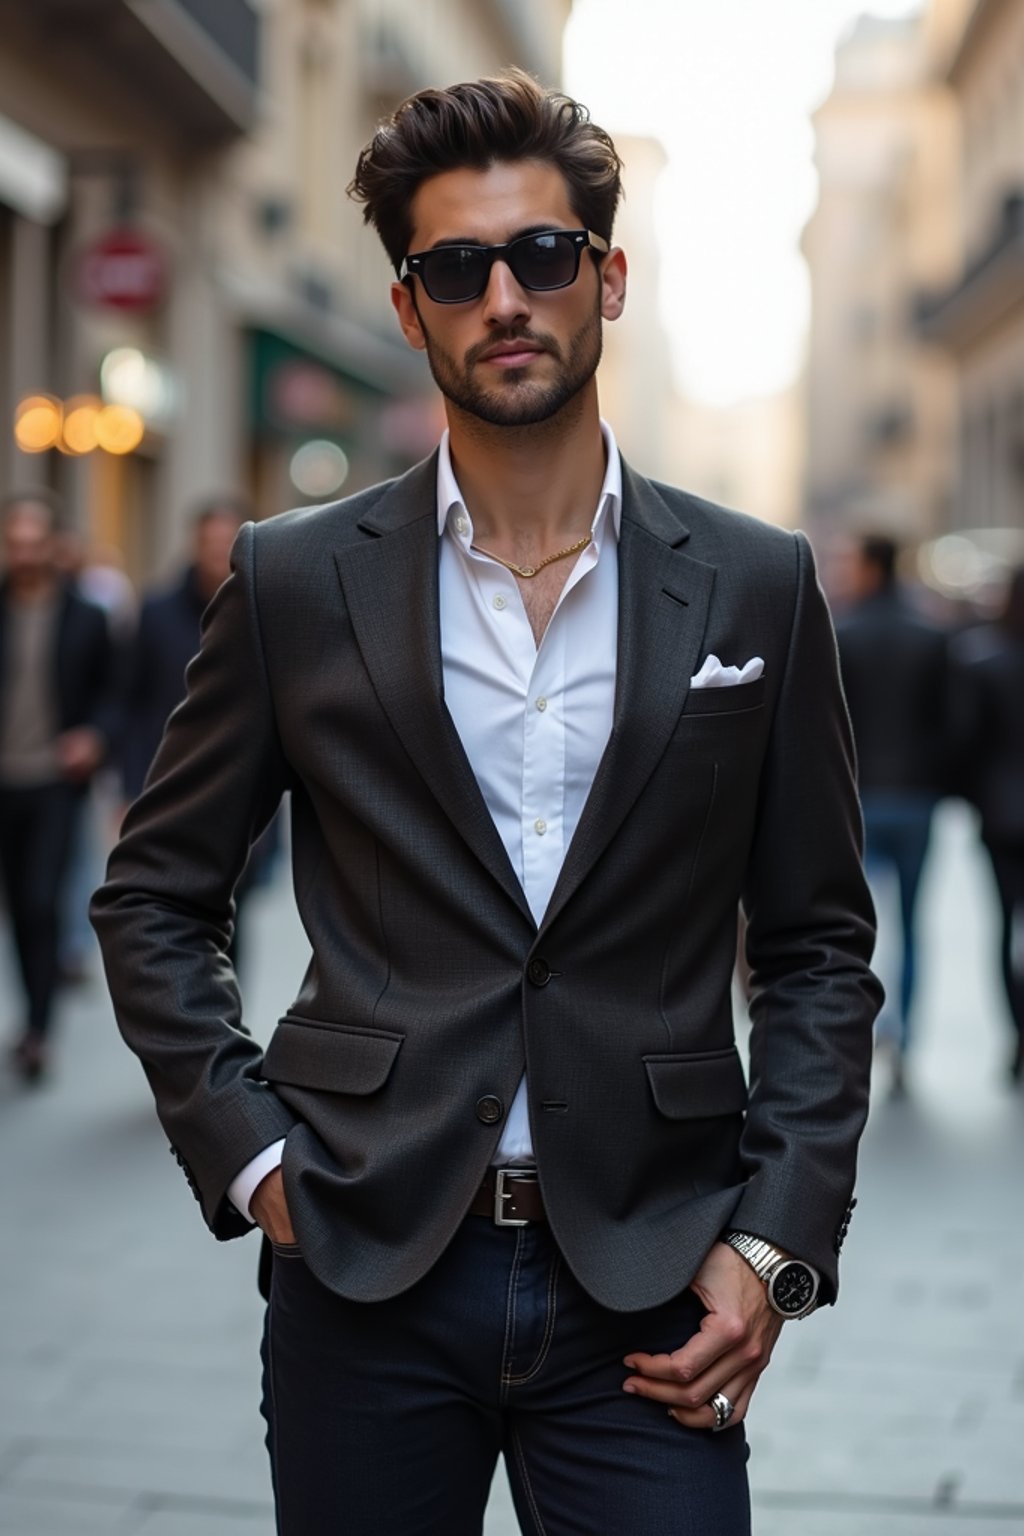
x,y
489,1110
538,972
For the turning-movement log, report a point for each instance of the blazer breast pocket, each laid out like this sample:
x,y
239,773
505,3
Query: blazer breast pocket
x,y
735,700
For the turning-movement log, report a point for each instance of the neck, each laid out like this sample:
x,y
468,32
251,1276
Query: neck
x,y
529,488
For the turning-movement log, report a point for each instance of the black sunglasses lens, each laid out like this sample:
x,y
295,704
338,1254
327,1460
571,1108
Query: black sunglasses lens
x,y
544,261
454,273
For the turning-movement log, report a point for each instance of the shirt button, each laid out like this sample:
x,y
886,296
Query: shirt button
x,y
538,972
499,602
540,826
461,524
488,1109
542,704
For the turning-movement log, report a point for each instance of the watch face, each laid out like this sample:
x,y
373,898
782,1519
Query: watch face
x,y
793,1288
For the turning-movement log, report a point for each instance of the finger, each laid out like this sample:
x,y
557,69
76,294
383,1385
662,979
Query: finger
x,y
704,1417
668,1368
691,1396
655,1366
719,1333
718,1336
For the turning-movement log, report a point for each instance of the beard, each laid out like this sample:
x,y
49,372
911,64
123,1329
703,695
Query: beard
x,y
516,400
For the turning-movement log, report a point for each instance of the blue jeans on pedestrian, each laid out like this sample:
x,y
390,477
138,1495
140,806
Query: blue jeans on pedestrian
x,y
897,828
387,1418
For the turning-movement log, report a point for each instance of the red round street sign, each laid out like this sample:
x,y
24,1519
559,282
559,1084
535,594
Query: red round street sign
x,y
123,269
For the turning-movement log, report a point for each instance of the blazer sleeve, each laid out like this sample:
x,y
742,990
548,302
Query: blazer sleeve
x,y
810,935
165,915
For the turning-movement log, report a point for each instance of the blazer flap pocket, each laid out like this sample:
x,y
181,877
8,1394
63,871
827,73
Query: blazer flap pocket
x,y
696,1086
728,700
329,1057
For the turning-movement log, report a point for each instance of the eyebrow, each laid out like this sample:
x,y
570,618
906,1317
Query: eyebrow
x,y
520,234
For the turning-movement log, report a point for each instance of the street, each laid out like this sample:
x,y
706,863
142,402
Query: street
x,y
129,1375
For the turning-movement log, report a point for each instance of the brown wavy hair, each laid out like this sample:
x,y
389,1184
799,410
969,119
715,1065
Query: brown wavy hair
x,y
504,117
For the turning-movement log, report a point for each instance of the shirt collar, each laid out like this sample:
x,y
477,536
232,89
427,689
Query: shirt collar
x,y
449,497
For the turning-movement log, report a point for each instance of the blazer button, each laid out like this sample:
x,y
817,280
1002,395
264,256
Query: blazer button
x,y
488,1109
538,972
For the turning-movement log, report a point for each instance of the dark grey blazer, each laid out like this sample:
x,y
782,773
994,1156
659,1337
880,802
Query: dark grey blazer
x,y
430,986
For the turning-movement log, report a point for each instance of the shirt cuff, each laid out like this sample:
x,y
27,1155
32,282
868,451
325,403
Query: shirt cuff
x,y
243,1186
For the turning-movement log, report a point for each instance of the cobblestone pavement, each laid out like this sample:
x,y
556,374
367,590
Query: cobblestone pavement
x,y
128,1346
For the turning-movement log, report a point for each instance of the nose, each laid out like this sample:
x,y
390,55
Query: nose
x,y
505,302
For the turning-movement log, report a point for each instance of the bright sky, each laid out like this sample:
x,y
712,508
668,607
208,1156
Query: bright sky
x,y
727,86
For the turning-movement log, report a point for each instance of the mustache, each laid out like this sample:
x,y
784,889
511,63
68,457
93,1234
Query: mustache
x,y
536,338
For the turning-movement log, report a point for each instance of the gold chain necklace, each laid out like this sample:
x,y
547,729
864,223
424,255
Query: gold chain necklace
x,y
526,571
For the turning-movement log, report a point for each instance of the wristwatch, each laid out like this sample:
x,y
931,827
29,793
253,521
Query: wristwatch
x,y
791,1284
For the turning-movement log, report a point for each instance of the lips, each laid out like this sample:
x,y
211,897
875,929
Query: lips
x,y
516,354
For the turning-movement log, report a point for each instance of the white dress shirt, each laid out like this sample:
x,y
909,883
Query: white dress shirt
x,y
534,720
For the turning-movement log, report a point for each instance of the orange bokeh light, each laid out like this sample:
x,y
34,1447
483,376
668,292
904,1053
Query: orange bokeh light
x,y
81,414
37,423
119,429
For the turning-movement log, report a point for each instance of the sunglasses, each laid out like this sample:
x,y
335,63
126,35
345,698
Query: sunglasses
x,y
454,274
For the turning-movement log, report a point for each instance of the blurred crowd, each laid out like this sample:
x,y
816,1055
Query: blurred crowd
x,y
89,674
90,671
936,710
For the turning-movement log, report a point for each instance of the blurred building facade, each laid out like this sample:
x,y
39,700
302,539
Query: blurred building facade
x,y
175,240
748,456
915,378
979,316
636,382
879,401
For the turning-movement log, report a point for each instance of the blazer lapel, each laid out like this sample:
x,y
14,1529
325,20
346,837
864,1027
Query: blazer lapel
x,y
390,582
663,607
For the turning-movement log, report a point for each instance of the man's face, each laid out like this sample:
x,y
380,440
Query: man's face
x,y
511,357
212,549
29,544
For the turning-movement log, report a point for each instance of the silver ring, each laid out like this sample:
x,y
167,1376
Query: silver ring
x,y
723,1411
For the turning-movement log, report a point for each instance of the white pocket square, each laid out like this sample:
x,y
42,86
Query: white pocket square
x,y
713,675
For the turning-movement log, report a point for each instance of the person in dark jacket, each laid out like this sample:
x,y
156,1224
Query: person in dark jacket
x,y
167,637
58,715
895,673
166,640
991,737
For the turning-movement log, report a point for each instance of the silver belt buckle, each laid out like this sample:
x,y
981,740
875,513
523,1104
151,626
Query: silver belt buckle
x,y
501,1194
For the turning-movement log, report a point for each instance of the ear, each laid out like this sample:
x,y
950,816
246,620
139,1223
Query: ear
x,y
408,319
613,283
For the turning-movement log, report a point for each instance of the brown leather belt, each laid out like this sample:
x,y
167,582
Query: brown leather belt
x,y
510,1197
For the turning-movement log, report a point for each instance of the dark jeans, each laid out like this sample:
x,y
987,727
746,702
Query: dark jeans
x,y
36,827
1008,868
897,828
387,1418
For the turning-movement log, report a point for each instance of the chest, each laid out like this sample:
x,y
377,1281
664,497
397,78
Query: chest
x,y
540,596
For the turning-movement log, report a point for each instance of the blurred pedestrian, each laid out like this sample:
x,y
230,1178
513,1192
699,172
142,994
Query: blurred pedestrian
x,y
58,716
166,639
544,722
895,669
167,636
990,739
96,572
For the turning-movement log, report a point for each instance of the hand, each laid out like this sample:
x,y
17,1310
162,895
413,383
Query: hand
x,y
80,752
727,1354
270,1208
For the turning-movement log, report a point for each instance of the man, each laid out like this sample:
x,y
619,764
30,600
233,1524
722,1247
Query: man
x,y
988,673
508,1094
896,678
57,716
166,640
167,636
